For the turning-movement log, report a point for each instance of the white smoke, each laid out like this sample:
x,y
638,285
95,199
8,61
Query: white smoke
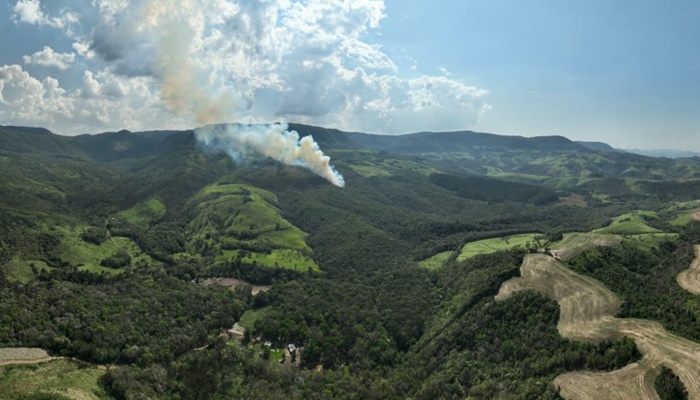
x,y
273,141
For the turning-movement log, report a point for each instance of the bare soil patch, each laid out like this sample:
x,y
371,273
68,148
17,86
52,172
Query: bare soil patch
x,y
689,279
232,283
574,199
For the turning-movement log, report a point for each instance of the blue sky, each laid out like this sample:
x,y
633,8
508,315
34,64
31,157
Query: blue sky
x,y
623,72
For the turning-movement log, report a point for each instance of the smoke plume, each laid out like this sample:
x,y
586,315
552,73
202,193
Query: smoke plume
x,y
271,141
184,90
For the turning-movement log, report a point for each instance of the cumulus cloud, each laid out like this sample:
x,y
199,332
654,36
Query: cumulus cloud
x,y
32,12
309,61
48,57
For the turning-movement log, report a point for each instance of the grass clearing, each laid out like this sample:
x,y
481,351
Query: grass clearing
x,y
87,256
278,258
488,246
144,213
70,379
437,261
18,270
630,224
22,354
233,217
250,316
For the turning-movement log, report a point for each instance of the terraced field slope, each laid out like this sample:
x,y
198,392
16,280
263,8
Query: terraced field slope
x,y
588,311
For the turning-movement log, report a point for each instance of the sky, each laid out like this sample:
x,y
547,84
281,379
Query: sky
x,y
625,72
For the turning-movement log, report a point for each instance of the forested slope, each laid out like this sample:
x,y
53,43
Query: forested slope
x,y
343,266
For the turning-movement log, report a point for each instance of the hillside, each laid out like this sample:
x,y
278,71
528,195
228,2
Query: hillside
x,y
386,286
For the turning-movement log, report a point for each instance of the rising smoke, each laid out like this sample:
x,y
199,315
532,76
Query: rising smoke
x,y
185,93
272,141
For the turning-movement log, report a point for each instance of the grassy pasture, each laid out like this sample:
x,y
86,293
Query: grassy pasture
x,y
630,224
236,216
143,213
87,256
59,380
493,245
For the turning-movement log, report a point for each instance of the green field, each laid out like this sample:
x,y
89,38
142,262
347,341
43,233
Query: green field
x,y
488,246
74,250
249,317
630,224
389,166
437,261
19,270
144,213
232,217
87,256
56,380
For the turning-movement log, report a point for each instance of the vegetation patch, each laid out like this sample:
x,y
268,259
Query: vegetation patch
x,y
488,246
22,354
437,261
143,214
573,244
630,224
60,379
242,223
74,250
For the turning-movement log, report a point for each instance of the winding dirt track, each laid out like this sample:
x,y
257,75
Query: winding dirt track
x,y
587,314
689,279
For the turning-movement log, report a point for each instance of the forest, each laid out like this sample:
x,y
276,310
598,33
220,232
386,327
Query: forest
x,y
103,255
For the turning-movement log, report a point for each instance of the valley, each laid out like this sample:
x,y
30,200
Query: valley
x,y
451,265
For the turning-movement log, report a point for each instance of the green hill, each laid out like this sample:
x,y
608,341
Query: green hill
x,y
387,285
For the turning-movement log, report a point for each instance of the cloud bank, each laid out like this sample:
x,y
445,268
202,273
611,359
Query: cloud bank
x,y
174,64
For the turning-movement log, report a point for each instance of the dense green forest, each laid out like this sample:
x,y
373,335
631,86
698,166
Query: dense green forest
x,y
106,242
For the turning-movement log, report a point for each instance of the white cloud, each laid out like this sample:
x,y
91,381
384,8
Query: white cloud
x,y
48,57
248,61
31,12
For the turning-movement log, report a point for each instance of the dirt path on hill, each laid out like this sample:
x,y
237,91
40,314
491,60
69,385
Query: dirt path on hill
x,y
24,355
33,355
587,314
689,279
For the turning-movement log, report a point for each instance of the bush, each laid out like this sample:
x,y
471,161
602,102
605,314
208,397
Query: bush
x,y
118,260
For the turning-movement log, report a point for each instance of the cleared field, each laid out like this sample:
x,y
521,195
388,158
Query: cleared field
x,y
60,379
12,355
437,261
488,246
574,244
587,314
689,279
249,317
232,283
585,303
88,256
633,381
